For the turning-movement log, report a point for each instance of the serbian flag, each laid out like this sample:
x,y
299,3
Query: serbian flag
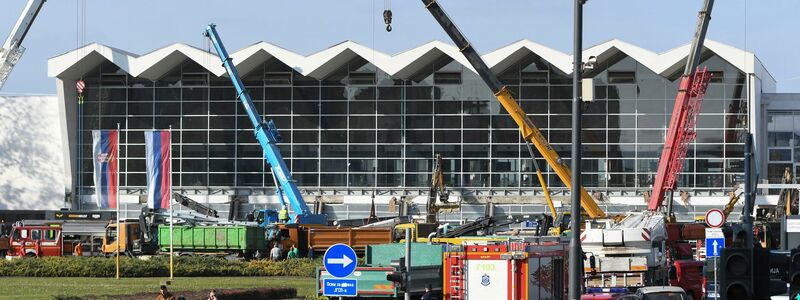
x,y
159,169
106,166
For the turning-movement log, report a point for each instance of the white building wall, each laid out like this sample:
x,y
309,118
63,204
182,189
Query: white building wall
x,y
31,160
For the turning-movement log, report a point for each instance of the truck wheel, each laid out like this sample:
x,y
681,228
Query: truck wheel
x,y
30,254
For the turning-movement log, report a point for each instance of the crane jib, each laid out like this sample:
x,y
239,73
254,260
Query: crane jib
x,y
527,128
267,136
688,101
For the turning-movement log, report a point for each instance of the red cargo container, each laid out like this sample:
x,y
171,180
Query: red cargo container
x,y
513,271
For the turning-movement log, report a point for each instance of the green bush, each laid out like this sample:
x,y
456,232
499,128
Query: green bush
x,y
185,266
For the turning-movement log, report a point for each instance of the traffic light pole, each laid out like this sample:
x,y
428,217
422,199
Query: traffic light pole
x,y
408,264
749,189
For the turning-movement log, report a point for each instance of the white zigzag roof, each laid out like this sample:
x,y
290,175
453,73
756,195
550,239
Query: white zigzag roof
x,y
155,64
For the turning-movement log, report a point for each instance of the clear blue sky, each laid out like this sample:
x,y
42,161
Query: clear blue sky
x,y
766,27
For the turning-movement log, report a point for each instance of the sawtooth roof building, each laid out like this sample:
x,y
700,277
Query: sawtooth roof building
x,y
359,124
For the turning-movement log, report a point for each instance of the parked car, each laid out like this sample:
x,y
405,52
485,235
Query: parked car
x,y
609,296
662,293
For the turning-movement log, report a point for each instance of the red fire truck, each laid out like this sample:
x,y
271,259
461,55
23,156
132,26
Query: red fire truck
x,y
509,270
38,241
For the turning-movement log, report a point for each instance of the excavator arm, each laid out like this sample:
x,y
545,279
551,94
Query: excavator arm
x,y
733,198
437,189
530,133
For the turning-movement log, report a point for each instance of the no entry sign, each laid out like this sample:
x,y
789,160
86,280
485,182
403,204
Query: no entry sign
x,y
715,218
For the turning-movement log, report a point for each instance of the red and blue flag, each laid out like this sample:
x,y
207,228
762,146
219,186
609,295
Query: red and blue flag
x,y
159,169
106,167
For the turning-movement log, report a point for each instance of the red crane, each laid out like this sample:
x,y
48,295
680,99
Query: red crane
x,y
681,132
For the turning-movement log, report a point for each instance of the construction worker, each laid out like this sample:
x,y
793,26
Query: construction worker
x,y
37,246
293,252
275,253
310,253
283,215
78,251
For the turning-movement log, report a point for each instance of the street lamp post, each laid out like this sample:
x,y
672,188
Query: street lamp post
x,y
575,253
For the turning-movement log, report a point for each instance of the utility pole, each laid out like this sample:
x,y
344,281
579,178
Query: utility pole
x,y
575,252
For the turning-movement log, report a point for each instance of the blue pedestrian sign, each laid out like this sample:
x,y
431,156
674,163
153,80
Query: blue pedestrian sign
x,y
340,260
714,246
715,241
339,287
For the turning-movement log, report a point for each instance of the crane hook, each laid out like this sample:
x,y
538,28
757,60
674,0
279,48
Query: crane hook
x,y
387,18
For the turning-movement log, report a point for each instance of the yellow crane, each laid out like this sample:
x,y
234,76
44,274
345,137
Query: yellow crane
x,y
530,133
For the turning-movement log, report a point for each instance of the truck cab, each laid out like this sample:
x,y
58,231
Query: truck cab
x,y
688,275
419,231
37,241
265,217
131,239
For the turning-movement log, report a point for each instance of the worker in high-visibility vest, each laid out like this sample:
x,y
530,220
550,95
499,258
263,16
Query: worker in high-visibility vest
x,y
283,215
78,251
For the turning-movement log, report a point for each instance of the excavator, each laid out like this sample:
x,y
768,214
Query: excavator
x,y
437,190
529,131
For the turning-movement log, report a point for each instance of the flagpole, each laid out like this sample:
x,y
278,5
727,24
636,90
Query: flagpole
x,y
117,200
171,215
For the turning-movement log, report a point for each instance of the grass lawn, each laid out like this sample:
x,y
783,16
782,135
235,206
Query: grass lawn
x,y
46,288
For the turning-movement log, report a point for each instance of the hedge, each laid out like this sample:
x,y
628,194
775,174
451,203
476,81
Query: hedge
x,y
222,294
185,266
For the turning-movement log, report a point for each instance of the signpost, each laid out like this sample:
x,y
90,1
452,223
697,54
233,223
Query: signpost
x,y
340,261
715,240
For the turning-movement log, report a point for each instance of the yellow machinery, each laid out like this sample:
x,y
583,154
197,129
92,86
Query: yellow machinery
x,y
437,190
733,198
530,133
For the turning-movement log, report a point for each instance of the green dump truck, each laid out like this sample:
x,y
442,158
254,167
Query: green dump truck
x,y
222,240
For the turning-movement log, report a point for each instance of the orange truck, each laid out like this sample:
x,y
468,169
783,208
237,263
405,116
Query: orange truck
x,y
4,245
320,237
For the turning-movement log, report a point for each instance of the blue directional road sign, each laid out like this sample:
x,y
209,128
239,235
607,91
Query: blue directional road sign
x,y
715,241
714,246
339,287
340,260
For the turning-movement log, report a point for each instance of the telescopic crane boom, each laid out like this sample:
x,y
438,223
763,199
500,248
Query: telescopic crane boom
x,y
681,131
530,133
12,49
268,136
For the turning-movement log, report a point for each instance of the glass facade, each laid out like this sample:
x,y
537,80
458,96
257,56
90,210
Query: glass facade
x,y
359,128
783,145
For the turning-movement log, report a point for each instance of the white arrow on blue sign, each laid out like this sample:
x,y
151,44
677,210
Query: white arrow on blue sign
x,y
340,260
714,246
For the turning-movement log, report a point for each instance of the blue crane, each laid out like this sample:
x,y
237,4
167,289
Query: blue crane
x,y
268,136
